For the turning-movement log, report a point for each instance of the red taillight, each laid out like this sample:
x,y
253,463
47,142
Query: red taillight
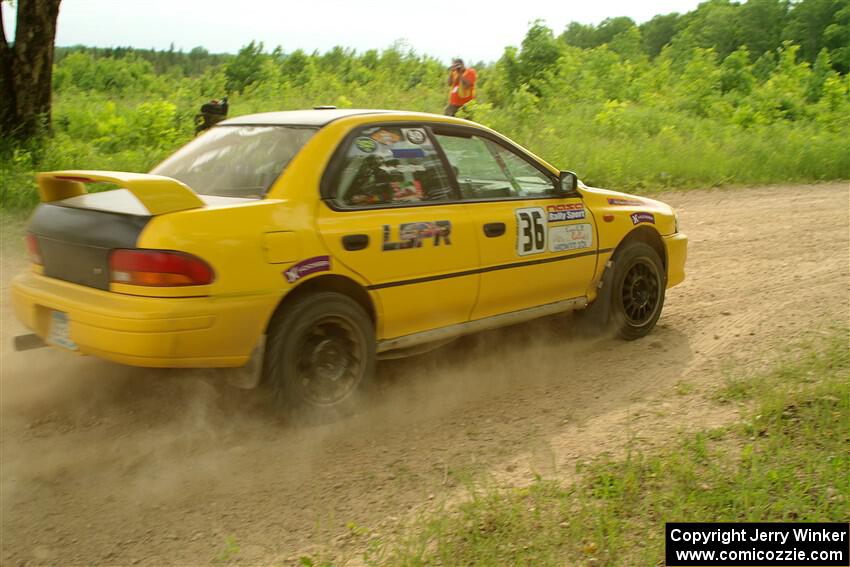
x,y
158,268
34,250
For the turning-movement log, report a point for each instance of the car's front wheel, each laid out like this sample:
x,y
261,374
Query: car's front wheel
x,y
637,293
320,355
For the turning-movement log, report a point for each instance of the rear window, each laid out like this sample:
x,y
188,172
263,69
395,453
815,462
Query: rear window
x,y
235,161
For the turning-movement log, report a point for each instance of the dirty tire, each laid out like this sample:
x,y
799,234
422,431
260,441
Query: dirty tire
x,y
637,292
320,357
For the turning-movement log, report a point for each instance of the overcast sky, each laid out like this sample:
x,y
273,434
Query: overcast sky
x,y
477,30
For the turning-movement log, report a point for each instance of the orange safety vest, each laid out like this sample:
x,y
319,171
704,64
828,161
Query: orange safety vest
x,y
459,94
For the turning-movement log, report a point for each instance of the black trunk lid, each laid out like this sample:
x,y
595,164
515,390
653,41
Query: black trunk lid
x,y
75,242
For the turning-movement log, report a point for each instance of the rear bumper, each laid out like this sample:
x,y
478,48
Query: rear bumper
x,y
677,253
146,331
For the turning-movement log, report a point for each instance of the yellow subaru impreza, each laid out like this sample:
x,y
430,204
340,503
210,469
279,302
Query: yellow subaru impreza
x,y
306,244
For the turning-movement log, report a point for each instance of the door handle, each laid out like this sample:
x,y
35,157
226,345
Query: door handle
x,y
494,229
355,241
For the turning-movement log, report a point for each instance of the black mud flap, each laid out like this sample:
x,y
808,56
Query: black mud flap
x,y
249,376
596,318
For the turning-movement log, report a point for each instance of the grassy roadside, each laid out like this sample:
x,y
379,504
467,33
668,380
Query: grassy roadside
x,y
787,459
12,225
696,155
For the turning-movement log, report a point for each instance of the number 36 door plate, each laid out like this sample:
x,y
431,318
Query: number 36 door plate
x,y
531,231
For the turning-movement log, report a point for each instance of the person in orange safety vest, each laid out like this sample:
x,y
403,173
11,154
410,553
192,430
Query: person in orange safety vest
x,y
461,86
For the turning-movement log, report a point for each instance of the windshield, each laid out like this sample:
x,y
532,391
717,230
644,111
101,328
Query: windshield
x,y
235,161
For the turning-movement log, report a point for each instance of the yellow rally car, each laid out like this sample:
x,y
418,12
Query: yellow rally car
x,y
306,244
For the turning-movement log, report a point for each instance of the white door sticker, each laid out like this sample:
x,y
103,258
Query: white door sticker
x,y
531,231
570,237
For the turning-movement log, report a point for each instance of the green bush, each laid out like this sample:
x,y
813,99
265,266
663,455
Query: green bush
x,y
687,118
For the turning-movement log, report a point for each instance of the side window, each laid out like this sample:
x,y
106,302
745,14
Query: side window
x,y
486,170
529,181
391,166
478,173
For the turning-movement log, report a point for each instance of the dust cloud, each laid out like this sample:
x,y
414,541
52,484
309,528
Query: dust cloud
x,y
106,464
89,445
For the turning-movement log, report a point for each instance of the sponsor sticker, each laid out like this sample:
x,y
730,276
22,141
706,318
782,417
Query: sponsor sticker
x,y
414,136
570,237
624,202
403,168
386,137
366,145
638,218
307,267
412,234
565,212
406,153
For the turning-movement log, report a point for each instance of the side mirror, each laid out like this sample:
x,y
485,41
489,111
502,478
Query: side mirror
x,y
568,183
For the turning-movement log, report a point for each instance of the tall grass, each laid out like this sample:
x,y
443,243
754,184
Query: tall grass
x,y
619,121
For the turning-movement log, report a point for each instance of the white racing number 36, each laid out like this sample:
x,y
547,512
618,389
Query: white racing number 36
x,y
531,231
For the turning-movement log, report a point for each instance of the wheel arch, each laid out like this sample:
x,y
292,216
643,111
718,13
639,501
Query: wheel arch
x,y
330,282
647,235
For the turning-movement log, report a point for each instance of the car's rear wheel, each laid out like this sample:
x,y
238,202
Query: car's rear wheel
x,y
637,293
320,355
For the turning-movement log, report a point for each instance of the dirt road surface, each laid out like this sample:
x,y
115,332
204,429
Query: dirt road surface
x,y
109,465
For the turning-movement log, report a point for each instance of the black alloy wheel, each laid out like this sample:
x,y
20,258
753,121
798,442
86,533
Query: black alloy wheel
x,y
320,356
637,296
330,360
640,292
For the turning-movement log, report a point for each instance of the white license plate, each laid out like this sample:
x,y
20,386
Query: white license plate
x,y
59,331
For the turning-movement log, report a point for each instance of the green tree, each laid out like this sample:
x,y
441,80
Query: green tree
x,y
245,68
736,74
579,35
539,54
831,109
628,44
83,70
699,86
297,68
836,38
658,32
610,28
26,68
764,66
604,69
821,71
760,24
814,24
588,36
783,95
504,78
713,25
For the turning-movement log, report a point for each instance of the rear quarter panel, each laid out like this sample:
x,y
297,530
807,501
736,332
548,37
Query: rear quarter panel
x,y
250,247
231,240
